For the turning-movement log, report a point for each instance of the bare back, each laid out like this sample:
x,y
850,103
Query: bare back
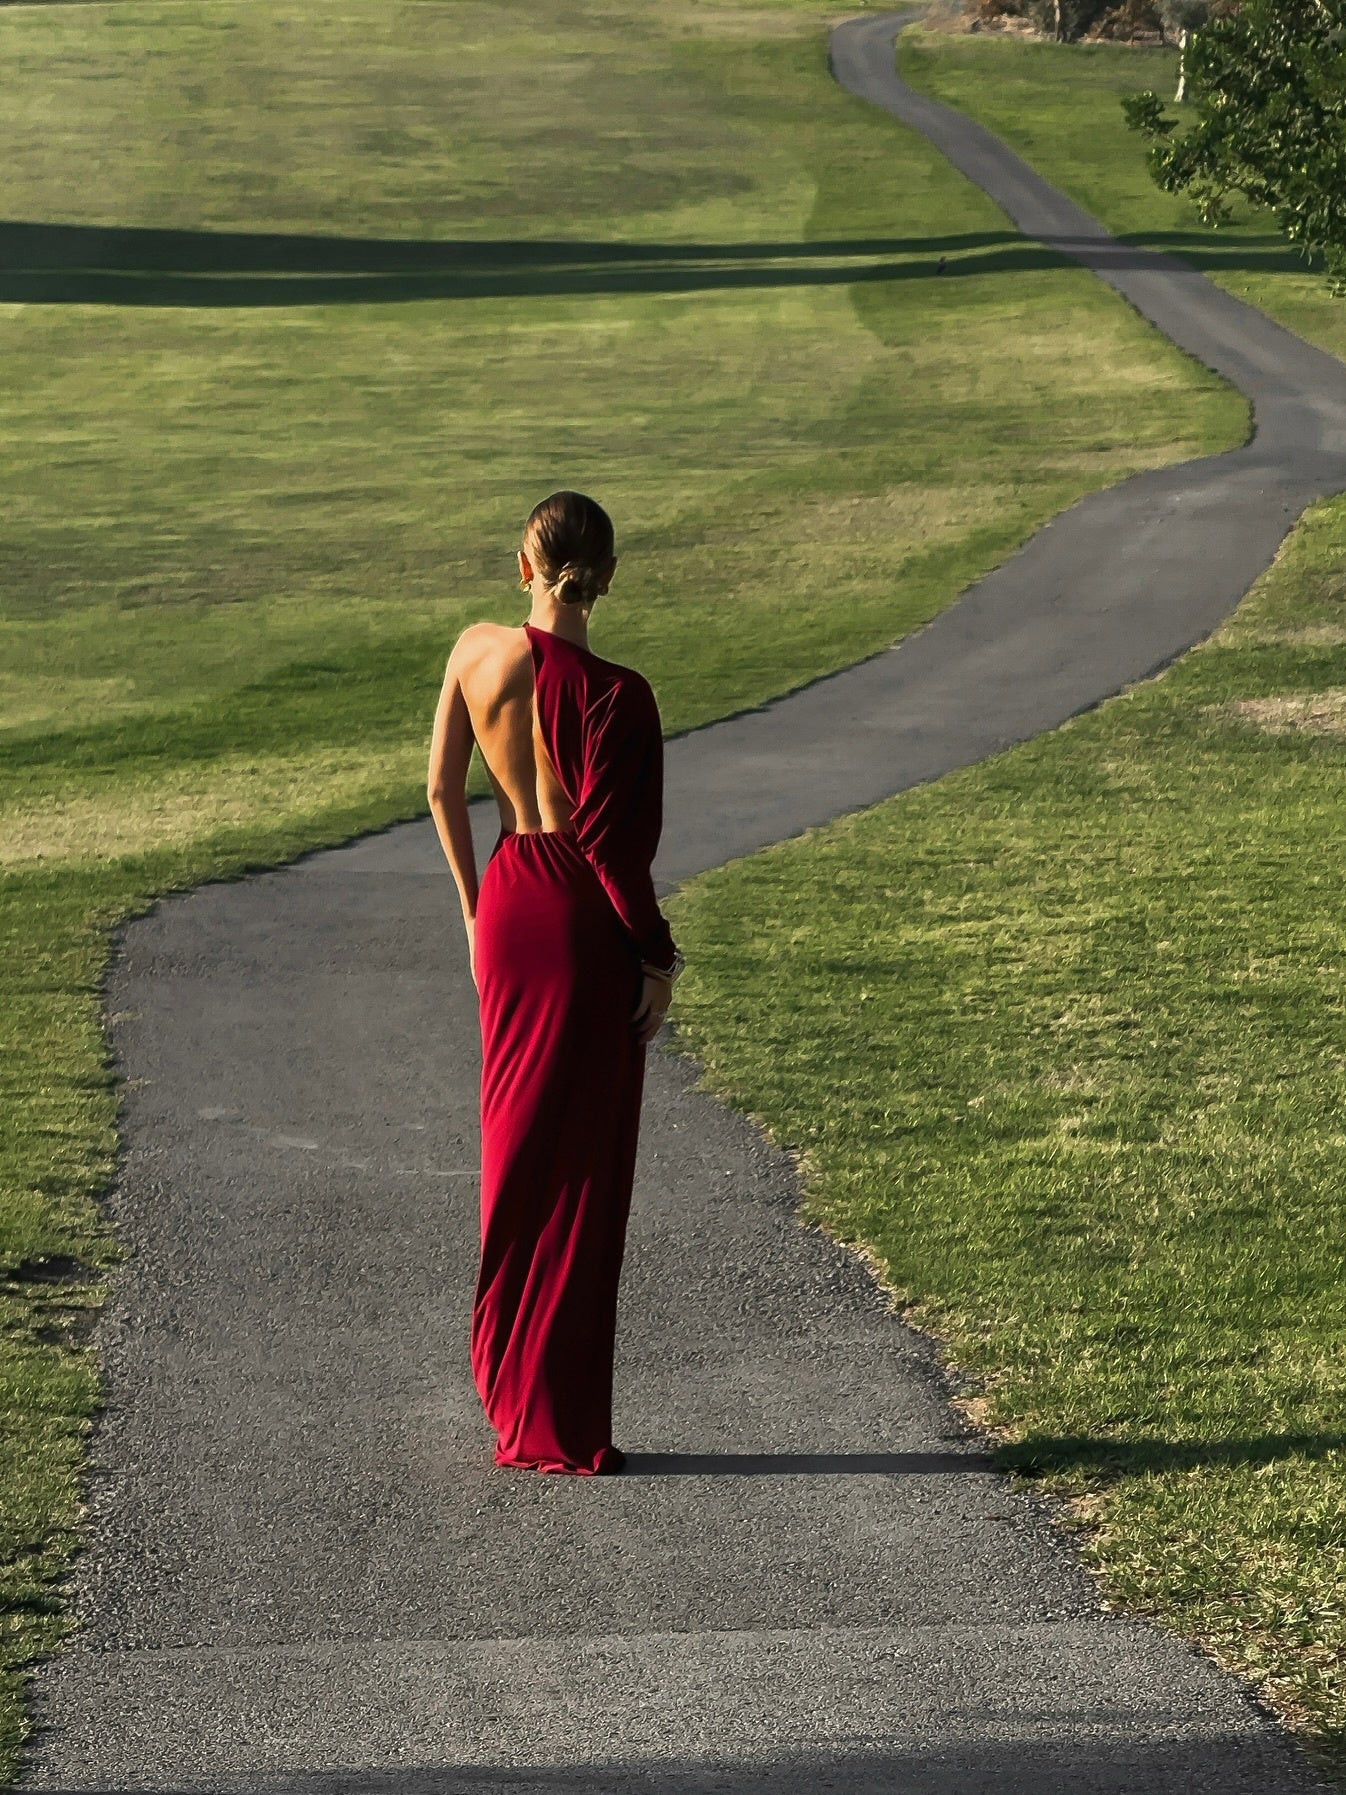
x,y
495,676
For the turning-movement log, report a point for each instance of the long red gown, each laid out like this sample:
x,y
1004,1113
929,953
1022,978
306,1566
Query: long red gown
x,y
564,919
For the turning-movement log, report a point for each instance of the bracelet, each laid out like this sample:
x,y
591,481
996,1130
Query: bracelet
x,y
672,973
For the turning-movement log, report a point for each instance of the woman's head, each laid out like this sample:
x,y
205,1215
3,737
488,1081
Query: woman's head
x,y
568,545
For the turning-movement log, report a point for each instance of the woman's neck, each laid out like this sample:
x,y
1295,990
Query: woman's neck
x,y
569,621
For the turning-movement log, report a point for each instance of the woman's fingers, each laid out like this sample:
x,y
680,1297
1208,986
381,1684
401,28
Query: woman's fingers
x,y
651,1027
648,1015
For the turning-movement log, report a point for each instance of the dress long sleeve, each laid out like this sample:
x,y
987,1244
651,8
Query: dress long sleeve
x,y
619,812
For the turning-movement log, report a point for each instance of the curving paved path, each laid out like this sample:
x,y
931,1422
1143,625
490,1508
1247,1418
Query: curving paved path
x,y
305,1577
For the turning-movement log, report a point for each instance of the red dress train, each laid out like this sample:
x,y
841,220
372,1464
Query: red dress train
x,y
564,918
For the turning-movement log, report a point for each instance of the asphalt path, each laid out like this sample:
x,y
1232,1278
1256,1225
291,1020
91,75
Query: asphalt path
x,y
305,1574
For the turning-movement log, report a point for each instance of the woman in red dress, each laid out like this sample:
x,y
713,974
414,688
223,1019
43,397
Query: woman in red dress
x,y
574,967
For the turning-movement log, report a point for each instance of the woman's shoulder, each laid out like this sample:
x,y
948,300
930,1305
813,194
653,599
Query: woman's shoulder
x,y
619,688
607,687
487,638
609,684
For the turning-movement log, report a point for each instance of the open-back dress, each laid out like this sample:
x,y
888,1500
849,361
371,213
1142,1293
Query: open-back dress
x,y
564,919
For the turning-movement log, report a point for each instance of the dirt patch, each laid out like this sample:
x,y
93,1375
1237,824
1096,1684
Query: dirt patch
x,y
1306,635
1308,713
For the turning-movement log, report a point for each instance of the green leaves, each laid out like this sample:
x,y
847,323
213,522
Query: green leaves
x,y
1268,86
1145,113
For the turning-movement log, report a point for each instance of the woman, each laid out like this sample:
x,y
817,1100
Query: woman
x,y
574,967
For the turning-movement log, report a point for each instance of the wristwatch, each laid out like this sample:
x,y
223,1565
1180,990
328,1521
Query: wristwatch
x,y
672,973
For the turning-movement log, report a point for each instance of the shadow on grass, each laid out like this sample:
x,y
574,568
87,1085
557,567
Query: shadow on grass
x,y
1130,1458
1207,251
69,264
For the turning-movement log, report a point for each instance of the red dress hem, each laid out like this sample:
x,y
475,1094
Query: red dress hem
x,y
609,1461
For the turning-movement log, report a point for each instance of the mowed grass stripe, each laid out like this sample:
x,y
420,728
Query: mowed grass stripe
x,y
1061,1039
241,536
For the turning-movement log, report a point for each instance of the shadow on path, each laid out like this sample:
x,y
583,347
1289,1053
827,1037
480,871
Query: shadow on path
x,y
70,264
1022,1765
1032,1458
799,1464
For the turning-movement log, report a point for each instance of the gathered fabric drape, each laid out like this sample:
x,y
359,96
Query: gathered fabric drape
x,y
564,919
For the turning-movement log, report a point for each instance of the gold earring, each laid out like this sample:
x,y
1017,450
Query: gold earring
x,y
524,585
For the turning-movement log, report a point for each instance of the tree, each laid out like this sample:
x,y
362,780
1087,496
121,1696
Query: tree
x,y
1268,84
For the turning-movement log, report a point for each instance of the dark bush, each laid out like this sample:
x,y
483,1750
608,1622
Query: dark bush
x,y
987,12
1070,20
1067,20
1130,20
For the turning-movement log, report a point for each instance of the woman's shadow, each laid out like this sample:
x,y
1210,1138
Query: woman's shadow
x,y
1037,1457
799,1464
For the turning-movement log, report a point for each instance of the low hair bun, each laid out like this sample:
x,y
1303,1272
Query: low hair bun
x,y
568,539
576,584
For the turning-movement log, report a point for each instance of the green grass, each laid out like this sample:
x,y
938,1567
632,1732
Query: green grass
x,y
1059,1041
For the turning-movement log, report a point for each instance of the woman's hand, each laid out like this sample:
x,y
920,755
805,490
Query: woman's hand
x,y
656,993
471,923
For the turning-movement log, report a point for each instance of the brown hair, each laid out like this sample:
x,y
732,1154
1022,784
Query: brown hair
x,y
569,539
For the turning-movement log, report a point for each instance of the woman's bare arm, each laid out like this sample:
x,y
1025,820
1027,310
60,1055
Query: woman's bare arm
x,y
450,757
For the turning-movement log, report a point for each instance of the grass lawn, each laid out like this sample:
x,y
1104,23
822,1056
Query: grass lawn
x,y
1061,1039
302,308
